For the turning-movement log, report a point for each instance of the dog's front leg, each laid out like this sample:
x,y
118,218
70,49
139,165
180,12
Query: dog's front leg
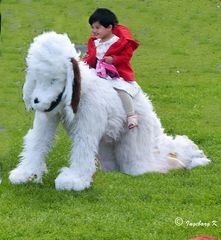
x,y
82,166
37,144
86,136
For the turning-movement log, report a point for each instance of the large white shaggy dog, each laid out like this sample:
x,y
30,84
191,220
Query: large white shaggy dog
x,y
61,89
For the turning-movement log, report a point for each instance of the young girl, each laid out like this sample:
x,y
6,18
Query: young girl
x,y
114,44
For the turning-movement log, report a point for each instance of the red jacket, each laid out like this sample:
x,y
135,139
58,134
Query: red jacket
x,y
121,51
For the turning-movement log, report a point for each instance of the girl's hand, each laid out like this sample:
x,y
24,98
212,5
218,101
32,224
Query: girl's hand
x,y
109,60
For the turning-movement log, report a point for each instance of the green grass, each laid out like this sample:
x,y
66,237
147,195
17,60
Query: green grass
x,y
177,64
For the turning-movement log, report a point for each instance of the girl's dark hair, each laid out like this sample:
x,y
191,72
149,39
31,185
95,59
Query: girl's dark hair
x,y
104,16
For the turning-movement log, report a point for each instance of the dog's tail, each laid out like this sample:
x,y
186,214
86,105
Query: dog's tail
x,y
179,152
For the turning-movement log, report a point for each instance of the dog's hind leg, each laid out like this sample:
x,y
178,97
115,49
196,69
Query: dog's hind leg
x,y
106,157
133,152
37,144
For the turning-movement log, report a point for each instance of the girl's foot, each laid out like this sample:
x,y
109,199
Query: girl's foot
x,y
132,121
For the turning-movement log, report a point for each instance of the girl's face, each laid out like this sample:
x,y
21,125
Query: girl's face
x,y
99,31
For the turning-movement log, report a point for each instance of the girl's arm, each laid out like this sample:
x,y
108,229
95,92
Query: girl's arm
x,y
124,56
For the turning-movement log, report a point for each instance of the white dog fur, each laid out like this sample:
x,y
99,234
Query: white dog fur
x,y
98,129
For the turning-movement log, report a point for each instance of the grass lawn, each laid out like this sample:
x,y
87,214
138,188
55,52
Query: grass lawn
x,y
179,65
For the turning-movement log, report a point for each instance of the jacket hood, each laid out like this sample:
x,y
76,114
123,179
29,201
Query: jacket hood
x,y
123,32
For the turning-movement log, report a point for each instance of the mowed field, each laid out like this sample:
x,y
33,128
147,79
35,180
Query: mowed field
x,y
178,64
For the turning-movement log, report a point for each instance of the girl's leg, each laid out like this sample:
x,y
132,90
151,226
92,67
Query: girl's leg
x,y
129,108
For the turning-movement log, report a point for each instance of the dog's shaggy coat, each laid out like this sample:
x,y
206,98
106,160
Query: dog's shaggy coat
x,y
94,118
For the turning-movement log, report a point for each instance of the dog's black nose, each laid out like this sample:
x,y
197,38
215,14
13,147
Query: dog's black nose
x,y
36,100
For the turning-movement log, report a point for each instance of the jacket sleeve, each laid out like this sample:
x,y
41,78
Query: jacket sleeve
x,y
124,56
90,56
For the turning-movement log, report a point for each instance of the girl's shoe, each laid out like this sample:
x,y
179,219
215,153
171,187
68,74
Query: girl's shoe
x,y
132,121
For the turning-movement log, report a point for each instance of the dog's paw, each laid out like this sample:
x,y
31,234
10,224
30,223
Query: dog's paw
x,y
22,175
68,180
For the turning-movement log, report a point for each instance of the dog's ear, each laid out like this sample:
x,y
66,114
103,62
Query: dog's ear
x,y
27,90
76,85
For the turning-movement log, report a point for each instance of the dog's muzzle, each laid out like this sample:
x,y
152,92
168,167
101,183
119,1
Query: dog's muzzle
x,y
55,103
